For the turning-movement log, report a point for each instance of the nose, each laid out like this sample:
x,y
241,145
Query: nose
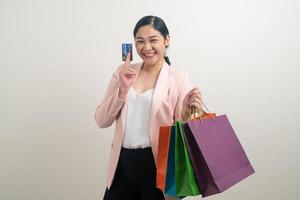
x,y
147,46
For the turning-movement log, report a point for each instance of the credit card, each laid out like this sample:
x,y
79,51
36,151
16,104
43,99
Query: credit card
x,y
126,48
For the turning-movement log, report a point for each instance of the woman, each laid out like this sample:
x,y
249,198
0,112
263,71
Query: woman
x,y
141,97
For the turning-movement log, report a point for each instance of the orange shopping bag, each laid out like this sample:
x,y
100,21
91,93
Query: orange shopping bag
x,y
162,156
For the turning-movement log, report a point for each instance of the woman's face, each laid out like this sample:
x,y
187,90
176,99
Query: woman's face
x,y
150,45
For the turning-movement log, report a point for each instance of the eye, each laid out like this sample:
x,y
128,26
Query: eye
x,y
154,40
139,42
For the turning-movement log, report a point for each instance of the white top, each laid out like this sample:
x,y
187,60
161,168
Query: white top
x,y
137,120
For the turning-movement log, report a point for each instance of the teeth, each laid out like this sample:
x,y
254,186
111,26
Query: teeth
x,y
149,54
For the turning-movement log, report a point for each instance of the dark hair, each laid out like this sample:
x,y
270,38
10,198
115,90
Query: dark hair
x,y
158,24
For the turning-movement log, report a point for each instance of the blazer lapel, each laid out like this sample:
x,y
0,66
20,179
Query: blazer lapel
x,y
161,88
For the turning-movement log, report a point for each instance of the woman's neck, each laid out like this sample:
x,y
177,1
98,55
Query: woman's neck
x,y
153,69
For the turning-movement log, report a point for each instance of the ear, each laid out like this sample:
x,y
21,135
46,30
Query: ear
x,y
167,41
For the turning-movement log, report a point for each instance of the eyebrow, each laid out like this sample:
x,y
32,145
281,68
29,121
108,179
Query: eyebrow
x,y
153,36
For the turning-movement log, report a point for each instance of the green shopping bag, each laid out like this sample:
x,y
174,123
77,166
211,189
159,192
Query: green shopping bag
x,y
186,184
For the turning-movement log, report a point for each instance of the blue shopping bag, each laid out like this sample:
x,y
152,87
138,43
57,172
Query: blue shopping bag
x,y
170,179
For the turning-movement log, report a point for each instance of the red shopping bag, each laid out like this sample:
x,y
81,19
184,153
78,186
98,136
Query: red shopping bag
x,y
162,157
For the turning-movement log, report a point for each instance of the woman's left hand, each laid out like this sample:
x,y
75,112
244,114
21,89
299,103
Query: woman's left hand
x,y
192,99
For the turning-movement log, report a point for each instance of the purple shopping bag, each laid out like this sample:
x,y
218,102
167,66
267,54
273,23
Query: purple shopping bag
x,y
218,159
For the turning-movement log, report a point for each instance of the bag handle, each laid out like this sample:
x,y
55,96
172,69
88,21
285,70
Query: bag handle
x,y
200,114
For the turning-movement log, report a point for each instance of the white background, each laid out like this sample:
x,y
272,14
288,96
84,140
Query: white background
x,y
56,58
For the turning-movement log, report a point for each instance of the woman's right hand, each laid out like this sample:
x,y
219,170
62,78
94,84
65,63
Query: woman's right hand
x,y
127,75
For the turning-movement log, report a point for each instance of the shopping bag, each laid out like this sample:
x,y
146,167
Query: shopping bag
x,y
162,157
218,159
170,177
165,173
194,152
172,145
185,181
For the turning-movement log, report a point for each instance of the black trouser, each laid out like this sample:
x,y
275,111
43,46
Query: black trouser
x,y
135,177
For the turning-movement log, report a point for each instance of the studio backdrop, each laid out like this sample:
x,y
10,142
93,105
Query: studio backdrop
x,y
57,57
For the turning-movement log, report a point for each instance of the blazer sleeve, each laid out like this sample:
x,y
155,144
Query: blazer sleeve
x,y
109,108
184,88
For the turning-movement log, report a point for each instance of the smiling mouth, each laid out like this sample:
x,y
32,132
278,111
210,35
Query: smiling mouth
x,y
149,55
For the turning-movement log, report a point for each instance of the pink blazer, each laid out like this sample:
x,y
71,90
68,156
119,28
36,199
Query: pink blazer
x,y
170,90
